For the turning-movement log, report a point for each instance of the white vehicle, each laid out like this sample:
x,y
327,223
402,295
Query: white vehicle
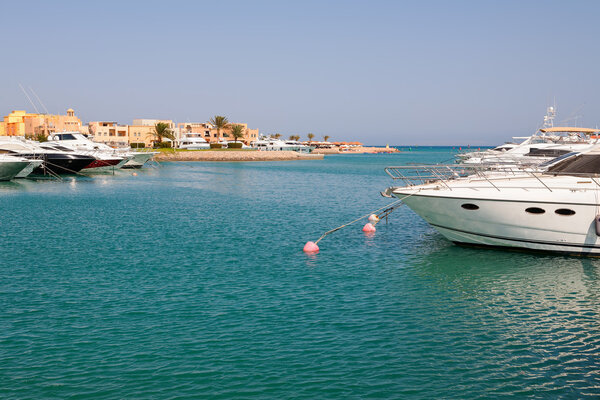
x,y
12,166
43,160
193,141
270,144
556,210
545,145
79,142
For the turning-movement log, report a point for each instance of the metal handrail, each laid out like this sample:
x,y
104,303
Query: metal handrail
x,y
412,175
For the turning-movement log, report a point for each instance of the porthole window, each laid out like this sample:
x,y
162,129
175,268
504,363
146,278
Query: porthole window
x,y
470,206
565,211
535,210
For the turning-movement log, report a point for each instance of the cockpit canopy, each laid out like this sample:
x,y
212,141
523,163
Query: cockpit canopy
x,y
575,163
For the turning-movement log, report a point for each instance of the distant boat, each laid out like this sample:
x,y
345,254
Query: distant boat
x,y
271,144
193,141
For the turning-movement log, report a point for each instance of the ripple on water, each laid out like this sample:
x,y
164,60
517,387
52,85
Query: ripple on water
x,y
189,280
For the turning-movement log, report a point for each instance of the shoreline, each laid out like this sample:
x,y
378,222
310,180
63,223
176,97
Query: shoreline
x,y
231,156
358,150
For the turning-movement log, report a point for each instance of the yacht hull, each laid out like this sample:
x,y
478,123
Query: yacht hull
x,y
138,160
59,164
105,165
9,170
33,164
507,224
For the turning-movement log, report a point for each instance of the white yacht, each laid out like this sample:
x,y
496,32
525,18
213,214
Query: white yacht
x,y
11,166
193,141
43,161
545,145
556,210
109,158
271,144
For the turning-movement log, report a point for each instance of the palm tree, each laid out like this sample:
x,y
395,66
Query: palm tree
x,y
277,135
237,131
161,130
219,122
310,137
325,138
292,137
296,137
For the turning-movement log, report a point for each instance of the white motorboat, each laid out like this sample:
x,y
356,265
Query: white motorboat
x,y
555,210
11,166
271,144
108,158
545,145
79,142
43,160
193,141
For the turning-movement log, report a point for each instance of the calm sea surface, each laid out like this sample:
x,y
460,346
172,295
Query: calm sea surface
x,y
189,281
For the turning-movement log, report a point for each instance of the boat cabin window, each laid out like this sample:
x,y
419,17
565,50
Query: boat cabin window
x,y
557,159
65,136
57,147
535,210
582,164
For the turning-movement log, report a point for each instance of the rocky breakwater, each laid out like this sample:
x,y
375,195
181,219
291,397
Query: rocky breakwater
x,y
232,155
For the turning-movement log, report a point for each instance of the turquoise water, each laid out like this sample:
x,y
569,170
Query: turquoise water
x,y
189,281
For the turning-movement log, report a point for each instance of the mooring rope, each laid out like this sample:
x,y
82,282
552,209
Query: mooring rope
x,y
389,207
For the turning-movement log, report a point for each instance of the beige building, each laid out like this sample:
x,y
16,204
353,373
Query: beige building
x,y
110,133
22,123
210,132
141,134
153,122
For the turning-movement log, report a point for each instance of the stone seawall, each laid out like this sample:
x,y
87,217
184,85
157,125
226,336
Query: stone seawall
x,y
230,155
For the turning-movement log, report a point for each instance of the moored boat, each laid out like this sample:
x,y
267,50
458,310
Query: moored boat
x,y
555,210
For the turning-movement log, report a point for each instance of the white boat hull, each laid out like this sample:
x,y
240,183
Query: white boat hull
x,y
10,169
506,224
138,160
33,164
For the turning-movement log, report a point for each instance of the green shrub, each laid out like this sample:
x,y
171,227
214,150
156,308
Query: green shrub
x,y
235,145
138,145
163,145
216,146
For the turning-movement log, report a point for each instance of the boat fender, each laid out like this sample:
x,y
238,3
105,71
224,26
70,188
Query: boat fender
x,y
597,225
373,218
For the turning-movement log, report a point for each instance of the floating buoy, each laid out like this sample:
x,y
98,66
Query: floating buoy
x,y
369,227
311,247
373,218
134,174
597,225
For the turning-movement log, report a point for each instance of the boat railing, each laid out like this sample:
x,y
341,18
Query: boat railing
x,y
413,175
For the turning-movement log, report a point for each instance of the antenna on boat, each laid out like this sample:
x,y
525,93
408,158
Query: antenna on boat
x,y
549,117
38,99
29,98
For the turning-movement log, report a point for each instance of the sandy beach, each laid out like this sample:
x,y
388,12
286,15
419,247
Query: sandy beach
x,y
246,155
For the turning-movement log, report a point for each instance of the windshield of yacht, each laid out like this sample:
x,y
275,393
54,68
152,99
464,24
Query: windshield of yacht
x,y
66,136
579,164
557,159
55,147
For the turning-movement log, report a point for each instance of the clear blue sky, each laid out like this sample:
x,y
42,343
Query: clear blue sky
x,y
418,72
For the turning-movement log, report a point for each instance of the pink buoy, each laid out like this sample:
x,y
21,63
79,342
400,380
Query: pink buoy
x,y
373,218
311,247
369,227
